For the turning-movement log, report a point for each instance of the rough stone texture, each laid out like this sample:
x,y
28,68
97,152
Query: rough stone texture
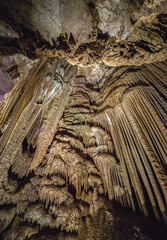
x,y
154,5
114,18
114,32
52,18
83,149
75,141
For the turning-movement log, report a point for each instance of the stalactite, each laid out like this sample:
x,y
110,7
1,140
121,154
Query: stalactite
x,y
153,161
34,79
73,145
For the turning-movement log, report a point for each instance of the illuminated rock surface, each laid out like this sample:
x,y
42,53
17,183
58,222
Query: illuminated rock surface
x,y
83,124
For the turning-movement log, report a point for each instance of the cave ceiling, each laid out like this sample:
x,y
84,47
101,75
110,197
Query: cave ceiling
x,y
83,116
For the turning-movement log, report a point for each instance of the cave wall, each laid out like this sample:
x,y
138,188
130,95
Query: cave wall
x,y
74,142
83,123
86,32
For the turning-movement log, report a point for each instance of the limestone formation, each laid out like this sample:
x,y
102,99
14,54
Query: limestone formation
x,y
83,132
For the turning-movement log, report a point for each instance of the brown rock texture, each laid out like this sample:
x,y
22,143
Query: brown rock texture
x,y
70,143
116,32
83,124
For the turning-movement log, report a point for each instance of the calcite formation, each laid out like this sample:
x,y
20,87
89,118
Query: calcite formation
x,y
83,126
86,32
69,143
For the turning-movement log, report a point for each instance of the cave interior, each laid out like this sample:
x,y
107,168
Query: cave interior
x,y
83,120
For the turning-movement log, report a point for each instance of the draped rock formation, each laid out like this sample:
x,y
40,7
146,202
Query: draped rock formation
x,y
83,131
